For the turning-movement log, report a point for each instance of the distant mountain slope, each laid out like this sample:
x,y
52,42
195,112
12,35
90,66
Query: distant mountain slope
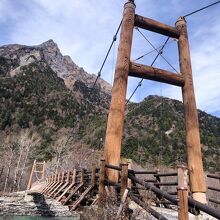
x,y
45,92
155,132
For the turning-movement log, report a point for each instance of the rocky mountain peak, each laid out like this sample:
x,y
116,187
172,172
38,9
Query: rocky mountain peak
x,y
17,56
49,44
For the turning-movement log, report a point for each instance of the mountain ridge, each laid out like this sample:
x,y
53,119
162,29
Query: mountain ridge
x,y
22,55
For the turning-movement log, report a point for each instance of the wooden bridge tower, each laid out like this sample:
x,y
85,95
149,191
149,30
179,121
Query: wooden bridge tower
x,y
125,68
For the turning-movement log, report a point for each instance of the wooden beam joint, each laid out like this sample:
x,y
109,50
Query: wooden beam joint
x,y
155,26
152,73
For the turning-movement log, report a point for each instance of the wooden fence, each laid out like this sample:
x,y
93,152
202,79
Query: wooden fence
x,y
85,187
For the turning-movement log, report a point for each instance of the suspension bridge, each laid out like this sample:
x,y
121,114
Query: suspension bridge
x,y
113,178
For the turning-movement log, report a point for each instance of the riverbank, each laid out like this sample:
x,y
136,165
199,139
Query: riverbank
x,y
33,204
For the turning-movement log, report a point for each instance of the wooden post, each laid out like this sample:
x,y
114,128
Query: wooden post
x,y
82,176
123,200
31,175
194,155
124,178
56,182
74,178
182,193
129,161
68,177
50,184
43,170
53,184
158,180
93,176
112,149
101,200
82,179
63,177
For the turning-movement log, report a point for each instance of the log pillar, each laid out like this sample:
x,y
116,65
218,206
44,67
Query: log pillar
x,y
43,170
93,177
31,175
113,138
194,155
101,200
182,192
74,178
124,178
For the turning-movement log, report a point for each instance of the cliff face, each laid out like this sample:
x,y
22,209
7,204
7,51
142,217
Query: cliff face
x,y
14,57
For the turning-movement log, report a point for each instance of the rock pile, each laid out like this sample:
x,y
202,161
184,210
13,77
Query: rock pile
x,y
33,204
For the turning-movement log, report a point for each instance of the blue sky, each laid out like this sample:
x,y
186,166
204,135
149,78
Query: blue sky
x,y
84,29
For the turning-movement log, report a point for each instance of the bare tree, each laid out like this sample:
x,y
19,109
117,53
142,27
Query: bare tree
x,y
60,148
11,145
21,147
27,141
1,171
23,168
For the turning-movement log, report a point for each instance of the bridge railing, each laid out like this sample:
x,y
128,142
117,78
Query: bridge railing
x,y
73,187
193,204
214,190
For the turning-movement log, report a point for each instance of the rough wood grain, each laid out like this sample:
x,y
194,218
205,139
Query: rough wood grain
x,y
152,73
155,26
194,155
112,148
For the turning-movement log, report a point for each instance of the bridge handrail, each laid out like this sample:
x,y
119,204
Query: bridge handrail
x,y
149,209
213,176
118,168
192,203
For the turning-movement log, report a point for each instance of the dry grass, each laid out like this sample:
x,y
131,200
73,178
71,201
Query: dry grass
x,y
108,212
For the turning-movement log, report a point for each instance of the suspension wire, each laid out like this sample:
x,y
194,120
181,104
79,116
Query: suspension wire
x,y
161,131
112,43
113,64
140,82
157,50
140,148
201,9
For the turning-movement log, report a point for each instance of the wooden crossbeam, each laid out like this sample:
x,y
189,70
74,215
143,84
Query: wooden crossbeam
x,y
49,184
60,190
55,185
38,171
52,185
64,186
48,181
58,186
155,26
80,199
86,192
65,191
73,193
52,188
152,73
